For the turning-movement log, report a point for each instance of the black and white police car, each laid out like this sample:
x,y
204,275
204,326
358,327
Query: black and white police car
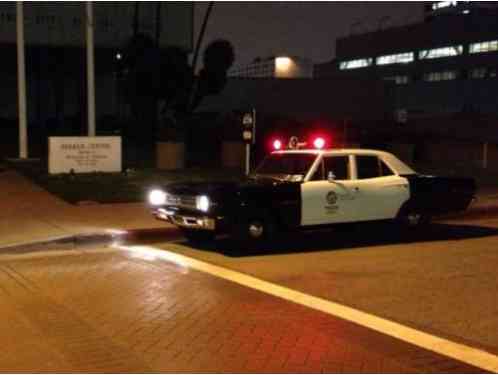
x,y
308,188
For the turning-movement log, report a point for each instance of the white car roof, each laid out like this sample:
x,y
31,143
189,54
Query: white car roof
x,y
396,164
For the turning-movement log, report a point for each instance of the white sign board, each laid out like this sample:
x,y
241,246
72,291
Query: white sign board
x,y
84,154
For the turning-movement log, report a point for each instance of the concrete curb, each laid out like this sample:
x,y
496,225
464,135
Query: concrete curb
x,y
72,242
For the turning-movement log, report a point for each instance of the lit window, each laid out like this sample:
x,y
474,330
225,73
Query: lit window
x,y
488,46
443,4
436,53
398,58
399,80
283,63
440,76
354,64
478,73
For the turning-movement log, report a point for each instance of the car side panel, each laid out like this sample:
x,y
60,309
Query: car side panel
x,y
281,201
438,195
380,198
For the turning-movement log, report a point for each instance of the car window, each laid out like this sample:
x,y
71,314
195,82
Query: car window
x,y
386,170
286,164
339,165
368,166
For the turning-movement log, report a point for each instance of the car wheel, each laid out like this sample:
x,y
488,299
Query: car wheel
x,y
413,218
198,236
254,229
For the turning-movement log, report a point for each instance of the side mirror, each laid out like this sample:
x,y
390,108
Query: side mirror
x,y
330,176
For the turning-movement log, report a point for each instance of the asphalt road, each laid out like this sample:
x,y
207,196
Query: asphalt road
x,y
133,308
442,280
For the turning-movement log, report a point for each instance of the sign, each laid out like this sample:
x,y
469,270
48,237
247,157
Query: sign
x,y
247,119
84,154
401,116
249,126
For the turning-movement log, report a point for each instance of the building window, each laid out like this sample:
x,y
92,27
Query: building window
x,y
399,80
436,53
7,17
478,73
354,64
440,76
443,4
398,58
488,46
45,20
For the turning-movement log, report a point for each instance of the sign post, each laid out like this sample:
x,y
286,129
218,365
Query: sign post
x,y
249,135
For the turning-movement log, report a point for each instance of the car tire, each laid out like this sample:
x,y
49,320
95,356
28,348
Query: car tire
x,y
198,236
253,229
410,217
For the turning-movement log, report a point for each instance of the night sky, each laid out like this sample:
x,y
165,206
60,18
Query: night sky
x,y
306,29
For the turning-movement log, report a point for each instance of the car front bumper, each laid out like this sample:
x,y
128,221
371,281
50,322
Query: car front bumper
x,y
185,220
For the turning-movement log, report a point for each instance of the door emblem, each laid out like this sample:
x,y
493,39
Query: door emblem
x,y
331,198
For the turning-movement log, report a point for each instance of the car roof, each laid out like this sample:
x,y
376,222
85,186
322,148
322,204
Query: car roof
x,y
399,166
335,151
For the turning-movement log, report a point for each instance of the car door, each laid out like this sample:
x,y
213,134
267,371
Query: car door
x,y
329,202
380,191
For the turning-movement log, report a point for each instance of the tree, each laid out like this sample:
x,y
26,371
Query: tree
x,y
218,58
152,74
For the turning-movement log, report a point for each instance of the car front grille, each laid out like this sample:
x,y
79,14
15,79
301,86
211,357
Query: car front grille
x,y
183,201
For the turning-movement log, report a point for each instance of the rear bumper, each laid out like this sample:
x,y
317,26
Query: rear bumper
x,y
186,220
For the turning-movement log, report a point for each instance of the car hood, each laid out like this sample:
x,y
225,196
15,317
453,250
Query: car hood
x,y
217,188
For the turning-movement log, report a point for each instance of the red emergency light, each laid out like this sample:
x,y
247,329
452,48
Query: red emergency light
x,y
277,144
319,143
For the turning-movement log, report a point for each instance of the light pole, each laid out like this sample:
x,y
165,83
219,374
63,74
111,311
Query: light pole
x,y
21,83
90,70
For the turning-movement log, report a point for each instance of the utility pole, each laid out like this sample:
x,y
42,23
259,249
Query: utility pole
x,y
201,35
158,24
90,70
21,83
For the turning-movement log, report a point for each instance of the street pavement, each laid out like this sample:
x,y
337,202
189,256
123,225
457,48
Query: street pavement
x,y
441,281
111,310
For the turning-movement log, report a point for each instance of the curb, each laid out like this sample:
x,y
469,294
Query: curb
x,y
72,242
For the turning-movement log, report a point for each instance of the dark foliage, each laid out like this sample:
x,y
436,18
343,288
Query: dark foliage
x,y
152,75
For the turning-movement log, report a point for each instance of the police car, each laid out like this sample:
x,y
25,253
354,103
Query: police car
x,y
298,188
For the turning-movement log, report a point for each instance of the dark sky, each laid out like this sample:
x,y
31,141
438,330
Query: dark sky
x,y
306,29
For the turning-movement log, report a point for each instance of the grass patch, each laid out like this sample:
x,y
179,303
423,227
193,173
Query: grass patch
x,y
130,186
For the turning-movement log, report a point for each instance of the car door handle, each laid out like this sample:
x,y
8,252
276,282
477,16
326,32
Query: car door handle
x,y
356,188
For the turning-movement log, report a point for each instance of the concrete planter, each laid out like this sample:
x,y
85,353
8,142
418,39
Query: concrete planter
x,y
170,155
233,154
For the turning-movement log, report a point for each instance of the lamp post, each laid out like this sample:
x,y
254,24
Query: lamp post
x,y
90,70
21,82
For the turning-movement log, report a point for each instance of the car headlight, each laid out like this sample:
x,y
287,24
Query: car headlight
x,y
157,197
202,203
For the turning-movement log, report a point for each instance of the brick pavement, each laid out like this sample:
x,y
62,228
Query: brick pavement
x,y
113,311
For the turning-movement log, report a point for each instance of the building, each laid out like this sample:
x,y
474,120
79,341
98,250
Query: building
x,y
433,9
274,67
446,64
55,51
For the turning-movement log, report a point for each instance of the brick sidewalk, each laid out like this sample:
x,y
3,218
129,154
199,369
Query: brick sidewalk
x,y
113,311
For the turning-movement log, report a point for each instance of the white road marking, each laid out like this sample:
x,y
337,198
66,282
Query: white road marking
x,y
473,356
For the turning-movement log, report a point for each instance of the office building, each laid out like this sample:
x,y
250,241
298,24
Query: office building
x,y
274,67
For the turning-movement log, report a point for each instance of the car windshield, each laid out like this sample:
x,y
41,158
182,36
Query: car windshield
x,y
286,166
